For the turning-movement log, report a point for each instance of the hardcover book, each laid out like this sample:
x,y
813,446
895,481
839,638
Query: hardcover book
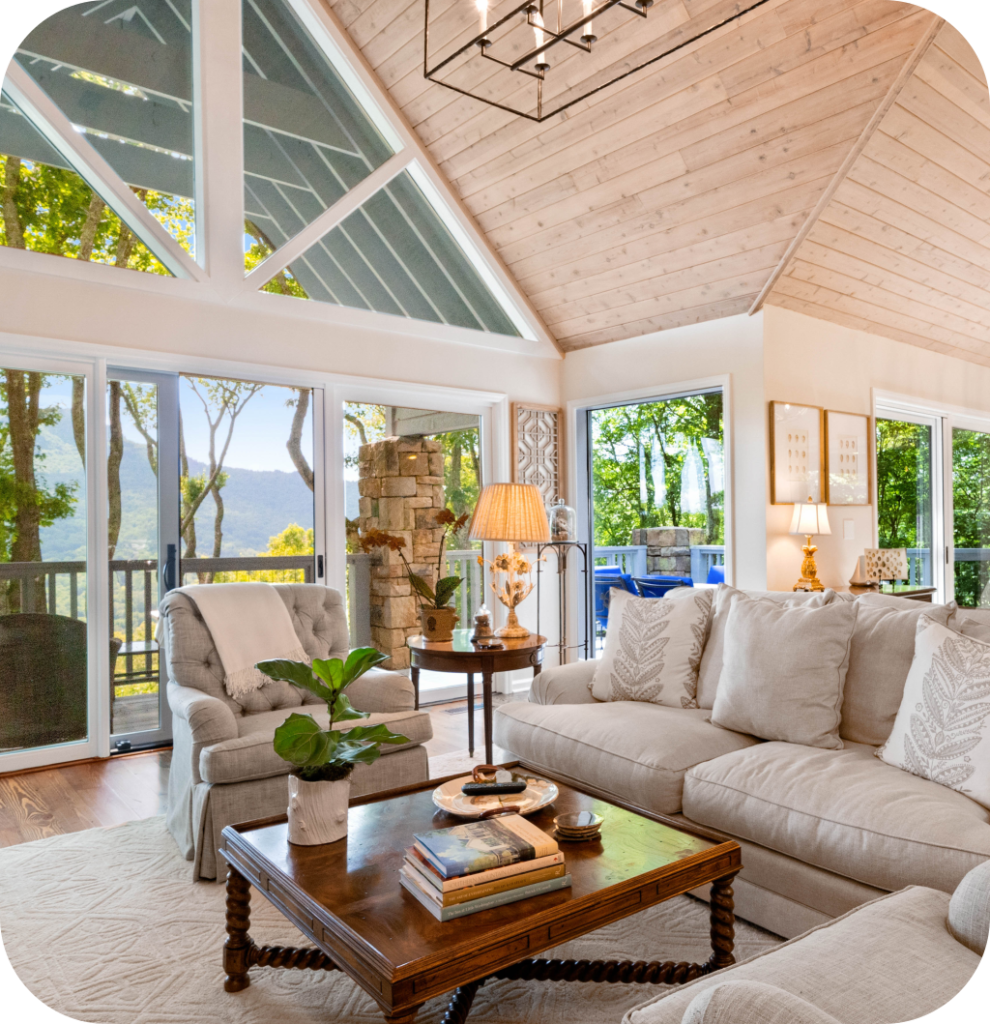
x,y
465,881
485,903
482,845
415,870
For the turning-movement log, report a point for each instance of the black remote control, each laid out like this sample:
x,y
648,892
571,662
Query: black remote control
x,y
492,788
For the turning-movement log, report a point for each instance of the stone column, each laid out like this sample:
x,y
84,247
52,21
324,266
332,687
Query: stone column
x,y
401,487
668,548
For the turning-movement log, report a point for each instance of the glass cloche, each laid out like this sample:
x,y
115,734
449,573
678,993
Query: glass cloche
x,y
563,523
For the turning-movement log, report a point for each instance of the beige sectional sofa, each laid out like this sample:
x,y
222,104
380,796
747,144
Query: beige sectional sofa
x,y
821,831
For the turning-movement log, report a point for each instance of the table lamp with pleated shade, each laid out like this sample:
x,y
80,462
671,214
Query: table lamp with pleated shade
x,y
515,514
810,519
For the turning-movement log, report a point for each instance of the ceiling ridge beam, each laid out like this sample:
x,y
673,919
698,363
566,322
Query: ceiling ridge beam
x,y
308,236
921,48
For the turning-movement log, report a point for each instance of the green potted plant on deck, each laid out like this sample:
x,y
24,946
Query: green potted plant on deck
x,y
323,759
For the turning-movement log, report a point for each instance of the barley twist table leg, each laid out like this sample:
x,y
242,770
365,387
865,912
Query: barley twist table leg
x,y
238,945
460,1003
723,924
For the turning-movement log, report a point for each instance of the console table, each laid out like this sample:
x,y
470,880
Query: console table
x,y
462,656
912,593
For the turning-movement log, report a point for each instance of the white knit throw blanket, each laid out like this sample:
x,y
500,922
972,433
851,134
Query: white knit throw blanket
x,y
249,623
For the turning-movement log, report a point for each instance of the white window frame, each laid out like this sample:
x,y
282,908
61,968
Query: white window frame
x,y
217,274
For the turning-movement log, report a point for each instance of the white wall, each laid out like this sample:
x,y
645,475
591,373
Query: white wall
x,y
815,362
733,347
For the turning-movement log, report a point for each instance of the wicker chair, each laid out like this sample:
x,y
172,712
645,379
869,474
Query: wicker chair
x,y
43,680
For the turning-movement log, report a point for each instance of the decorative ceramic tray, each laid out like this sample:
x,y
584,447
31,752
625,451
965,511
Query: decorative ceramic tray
x,y
537,794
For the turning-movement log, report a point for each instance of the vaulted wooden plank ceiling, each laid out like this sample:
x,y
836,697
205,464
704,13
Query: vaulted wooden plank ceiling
x,y
849,138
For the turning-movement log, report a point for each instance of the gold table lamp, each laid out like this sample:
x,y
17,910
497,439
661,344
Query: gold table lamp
x,y
513,513
810,519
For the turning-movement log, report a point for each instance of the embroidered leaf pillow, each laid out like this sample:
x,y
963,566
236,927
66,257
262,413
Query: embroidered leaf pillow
x,y
942,729
653,647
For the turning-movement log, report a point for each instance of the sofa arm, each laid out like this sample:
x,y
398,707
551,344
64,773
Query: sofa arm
x,y
754,1002
969,909
379,690
565,684
209,719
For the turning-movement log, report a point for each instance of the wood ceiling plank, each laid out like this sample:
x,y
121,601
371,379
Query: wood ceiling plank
x,y
686,298
895,304
900,263
619,228
659,266
956,86
666,322
953,43
606,302
885,235
931,106
687,115
381,25
844,29
514,222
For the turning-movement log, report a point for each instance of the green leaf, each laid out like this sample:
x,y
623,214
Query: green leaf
x,y
343,711
297,673
301,741
379,733
331,671
358,753
358,662
446,589
422,587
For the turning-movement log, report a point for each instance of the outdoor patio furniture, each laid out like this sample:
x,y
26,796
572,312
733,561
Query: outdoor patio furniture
x,y
603,585
660,586
43,680
716,574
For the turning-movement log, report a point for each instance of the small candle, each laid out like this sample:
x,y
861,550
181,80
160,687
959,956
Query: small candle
x,y
482,6
588,6
541,57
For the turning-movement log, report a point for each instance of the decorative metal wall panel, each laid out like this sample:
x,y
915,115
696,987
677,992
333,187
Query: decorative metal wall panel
x,y
536,431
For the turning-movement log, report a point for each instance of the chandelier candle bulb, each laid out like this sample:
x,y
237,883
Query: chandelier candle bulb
x,y
536,20
482,6
589,36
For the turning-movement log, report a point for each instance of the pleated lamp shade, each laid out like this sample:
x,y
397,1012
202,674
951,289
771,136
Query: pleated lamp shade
x,y
511,512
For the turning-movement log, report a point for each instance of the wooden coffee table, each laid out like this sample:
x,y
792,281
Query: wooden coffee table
x,y
346,898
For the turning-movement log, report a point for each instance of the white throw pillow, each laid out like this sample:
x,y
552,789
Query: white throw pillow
x,y
942,729
653,647
783,671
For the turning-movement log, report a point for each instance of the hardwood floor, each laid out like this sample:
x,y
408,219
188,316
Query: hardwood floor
x,y
74,797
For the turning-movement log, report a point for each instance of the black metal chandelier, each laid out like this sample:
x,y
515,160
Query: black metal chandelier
x,y
510,55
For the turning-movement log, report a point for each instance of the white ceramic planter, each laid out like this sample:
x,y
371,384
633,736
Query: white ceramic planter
x,y
317,811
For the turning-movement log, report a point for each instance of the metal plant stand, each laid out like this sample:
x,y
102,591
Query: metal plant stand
x,y
562,549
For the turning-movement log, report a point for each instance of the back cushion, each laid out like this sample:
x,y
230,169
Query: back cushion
x,y
711,660
972,622
879,661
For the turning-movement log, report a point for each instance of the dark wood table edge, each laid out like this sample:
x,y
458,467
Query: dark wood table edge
x,y
241,953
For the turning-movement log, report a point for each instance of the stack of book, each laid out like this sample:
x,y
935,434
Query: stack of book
x,y
458,871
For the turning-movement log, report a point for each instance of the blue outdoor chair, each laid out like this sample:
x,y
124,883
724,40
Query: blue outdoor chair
x,y
716,574
660,586
604,584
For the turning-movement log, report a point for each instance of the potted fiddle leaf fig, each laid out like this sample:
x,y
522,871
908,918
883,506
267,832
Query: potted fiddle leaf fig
x,y
322,759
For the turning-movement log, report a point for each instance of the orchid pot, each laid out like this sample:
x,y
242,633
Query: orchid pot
x,y
438,624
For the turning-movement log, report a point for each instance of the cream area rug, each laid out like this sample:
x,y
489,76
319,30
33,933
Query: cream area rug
x,y
106,926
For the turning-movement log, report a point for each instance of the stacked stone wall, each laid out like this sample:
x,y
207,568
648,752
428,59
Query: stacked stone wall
x,y
668,548
402,490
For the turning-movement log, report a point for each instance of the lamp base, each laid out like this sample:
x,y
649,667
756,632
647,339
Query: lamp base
x,y
512,629
809,570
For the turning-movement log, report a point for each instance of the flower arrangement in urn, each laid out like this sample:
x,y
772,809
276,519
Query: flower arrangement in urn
x,y
437,617
323,759
512,591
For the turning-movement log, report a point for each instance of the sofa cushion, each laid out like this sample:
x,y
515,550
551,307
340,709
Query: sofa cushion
x,y
844,811
879,660
252,756
889,960
941,731
969,909
736,1001
636,752
653,647
710,669
783,671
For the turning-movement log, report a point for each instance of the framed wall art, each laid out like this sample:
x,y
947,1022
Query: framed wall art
x,y
847,458
795,453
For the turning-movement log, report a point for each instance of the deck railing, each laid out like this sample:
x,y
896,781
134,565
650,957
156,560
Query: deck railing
x,y
630,559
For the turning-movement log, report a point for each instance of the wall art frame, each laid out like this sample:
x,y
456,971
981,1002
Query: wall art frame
x,y
537,448
848,458
796,453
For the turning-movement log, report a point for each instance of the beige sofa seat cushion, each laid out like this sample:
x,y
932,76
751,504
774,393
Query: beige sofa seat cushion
x,y
844,811
635,751
752,1001
879,661
969,909
252,756
889,960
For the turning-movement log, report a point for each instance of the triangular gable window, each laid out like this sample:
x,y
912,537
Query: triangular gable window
x,y
122,74
395,255
52,209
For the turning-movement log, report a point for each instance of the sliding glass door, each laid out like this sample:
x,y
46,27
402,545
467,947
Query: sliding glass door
x,y
971,517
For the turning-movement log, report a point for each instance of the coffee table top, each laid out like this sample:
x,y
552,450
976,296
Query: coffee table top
x,y
461,644
346,895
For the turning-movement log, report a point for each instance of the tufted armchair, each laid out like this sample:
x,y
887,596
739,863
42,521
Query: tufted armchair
x,y
224,769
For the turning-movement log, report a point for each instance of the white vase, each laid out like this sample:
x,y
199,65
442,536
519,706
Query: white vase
x,y
317,811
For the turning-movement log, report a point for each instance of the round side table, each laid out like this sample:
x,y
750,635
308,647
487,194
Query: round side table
x,y
462,656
